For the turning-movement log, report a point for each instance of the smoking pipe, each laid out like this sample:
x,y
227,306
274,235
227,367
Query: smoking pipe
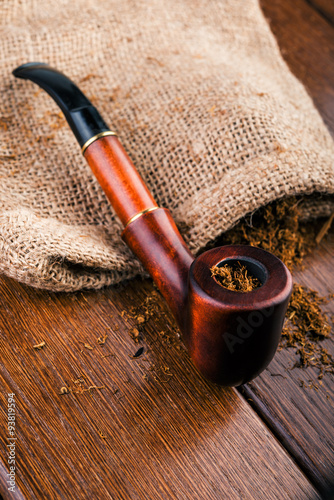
x,y
231,336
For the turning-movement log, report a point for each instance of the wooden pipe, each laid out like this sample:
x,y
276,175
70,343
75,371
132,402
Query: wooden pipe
x,y
231,336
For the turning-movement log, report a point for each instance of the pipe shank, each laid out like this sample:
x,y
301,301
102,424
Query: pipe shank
x,y
119,178
156,241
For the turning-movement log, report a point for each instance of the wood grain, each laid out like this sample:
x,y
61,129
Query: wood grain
x,y
325,8
302,417
155,430
293,402
306,41
4,485
118,177
231,336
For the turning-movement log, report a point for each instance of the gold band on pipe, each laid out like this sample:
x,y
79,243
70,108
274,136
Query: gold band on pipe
x,y
95,137
139,214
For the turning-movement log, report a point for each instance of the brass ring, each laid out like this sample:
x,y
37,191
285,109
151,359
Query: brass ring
x,y
139,214
95,137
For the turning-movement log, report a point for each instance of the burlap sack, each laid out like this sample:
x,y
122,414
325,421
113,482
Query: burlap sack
x,y
202,101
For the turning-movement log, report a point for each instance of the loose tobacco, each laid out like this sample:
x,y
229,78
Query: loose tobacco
x,y
306,326
277,228
235,277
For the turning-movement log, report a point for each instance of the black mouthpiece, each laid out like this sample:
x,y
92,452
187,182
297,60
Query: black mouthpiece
x,y
82,116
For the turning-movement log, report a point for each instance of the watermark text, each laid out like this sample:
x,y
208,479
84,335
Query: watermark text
x,y
11,438
246,327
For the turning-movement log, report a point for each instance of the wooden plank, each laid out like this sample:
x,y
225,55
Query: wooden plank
x,y
306,41
325,8
301,417
296,406
155,430
4,485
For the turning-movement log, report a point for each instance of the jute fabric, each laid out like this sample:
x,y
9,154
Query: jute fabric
x,y
204,104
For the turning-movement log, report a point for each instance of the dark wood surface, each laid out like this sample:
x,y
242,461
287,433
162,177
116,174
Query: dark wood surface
x,y
306,41
297,406
149,426
154,429
325,8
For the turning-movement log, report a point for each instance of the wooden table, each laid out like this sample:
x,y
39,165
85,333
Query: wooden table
x,y
151,427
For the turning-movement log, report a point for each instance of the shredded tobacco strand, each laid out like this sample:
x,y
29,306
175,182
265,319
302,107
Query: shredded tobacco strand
x,y
79,387
236,278
102,340
39,346
64,390
87,346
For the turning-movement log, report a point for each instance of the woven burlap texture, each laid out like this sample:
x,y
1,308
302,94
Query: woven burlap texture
x,y
202,101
